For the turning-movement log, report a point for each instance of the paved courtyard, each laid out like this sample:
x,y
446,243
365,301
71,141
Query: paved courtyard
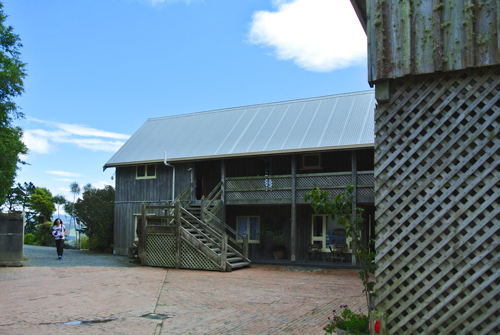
x,y
90,293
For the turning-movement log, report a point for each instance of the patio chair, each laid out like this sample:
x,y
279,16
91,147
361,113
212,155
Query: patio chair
x,y
314,251
338,252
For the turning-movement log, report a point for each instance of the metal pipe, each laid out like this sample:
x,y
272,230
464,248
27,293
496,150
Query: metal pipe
x,y
173,175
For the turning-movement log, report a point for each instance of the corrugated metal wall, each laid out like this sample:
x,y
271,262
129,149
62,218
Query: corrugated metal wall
x,y
418,37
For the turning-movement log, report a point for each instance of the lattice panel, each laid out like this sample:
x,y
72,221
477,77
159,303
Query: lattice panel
x,y
365,191
366,179
274,194
437,166
322,181
264,182
160,250
192,258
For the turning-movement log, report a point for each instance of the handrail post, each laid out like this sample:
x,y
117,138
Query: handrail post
x,y
202,209
223,253
143,236
245,246
178,233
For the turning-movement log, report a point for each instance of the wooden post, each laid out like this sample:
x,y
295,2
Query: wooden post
x,y
223,189
223,253
143,236
193,188
245,246
293,242
202,209
354,203
178,254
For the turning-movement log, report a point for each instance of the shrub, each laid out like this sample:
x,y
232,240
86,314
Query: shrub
x,y
84,242
349,321
43,234
29,239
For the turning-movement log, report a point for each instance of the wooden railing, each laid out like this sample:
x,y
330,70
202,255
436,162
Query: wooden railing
x,y
211,213
278,189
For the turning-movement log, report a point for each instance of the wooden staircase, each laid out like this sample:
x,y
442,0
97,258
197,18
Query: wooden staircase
x,y
212,238
186,234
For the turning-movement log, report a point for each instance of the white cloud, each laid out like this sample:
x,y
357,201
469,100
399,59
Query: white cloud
x,y
44,141
65,173
36,142
318,35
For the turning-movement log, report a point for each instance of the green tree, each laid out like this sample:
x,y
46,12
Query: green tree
x,y
340,208
42,204
96,212
12,73
13,199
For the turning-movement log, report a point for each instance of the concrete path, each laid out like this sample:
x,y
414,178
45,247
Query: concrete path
x,y
91,293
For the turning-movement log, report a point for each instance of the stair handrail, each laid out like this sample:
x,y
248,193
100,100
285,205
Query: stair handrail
x,y
185,196
224,228
201,233
218,234
201,223
217,187
209,214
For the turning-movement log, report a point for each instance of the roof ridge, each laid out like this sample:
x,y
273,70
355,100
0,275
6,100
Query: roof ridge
x,y
221,110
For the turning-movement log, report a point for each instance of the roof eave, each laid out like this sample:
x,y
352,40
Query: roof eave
x,y
247,154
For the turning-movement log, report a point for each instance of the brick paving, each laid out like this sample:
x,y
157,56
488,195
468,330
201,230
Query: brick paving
x,y
263,299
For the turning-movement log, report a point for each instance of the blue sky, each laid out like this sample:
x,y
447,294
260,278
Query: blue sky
x,y
98,69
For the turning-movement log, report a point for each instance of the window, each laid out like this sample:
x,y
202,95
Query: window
x,y
146,171
249,225
312,161
327,232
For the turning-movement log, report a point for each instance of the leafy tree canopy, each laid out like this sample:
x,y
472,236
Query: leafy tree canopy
x,y
12,73
96,212
42,203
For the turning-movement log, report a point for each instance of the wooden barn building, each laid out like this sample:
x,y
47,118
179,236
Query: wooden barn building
x,y
248,169
436,69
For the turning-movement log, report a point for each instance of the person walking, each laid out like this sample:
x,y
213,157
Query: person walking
x,y
58,231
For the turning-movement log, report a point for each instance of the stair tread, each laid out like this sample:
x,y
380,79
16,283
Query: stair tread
x,y
233,259
240,264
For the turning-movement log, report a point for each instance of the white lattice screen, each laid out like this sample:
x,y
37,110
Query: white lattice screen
x,y
437,156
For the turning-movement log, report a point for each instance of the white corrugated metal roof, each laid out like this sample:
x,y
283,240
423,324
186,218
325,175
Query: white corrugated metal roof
x,y
330,122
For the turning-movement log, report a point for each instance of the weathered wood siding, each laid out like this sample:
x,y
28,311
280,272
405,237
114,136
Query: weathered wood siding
x,y
276,213
131,192
407,37
282,214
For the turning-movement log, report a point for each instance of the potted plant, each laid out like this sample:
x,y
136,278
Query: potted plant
x,y
346,322
271,229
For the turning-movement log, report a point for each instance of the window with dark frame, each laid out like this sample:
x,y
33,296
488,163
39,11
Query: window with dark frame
x,y
311,161
145,171
249,225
